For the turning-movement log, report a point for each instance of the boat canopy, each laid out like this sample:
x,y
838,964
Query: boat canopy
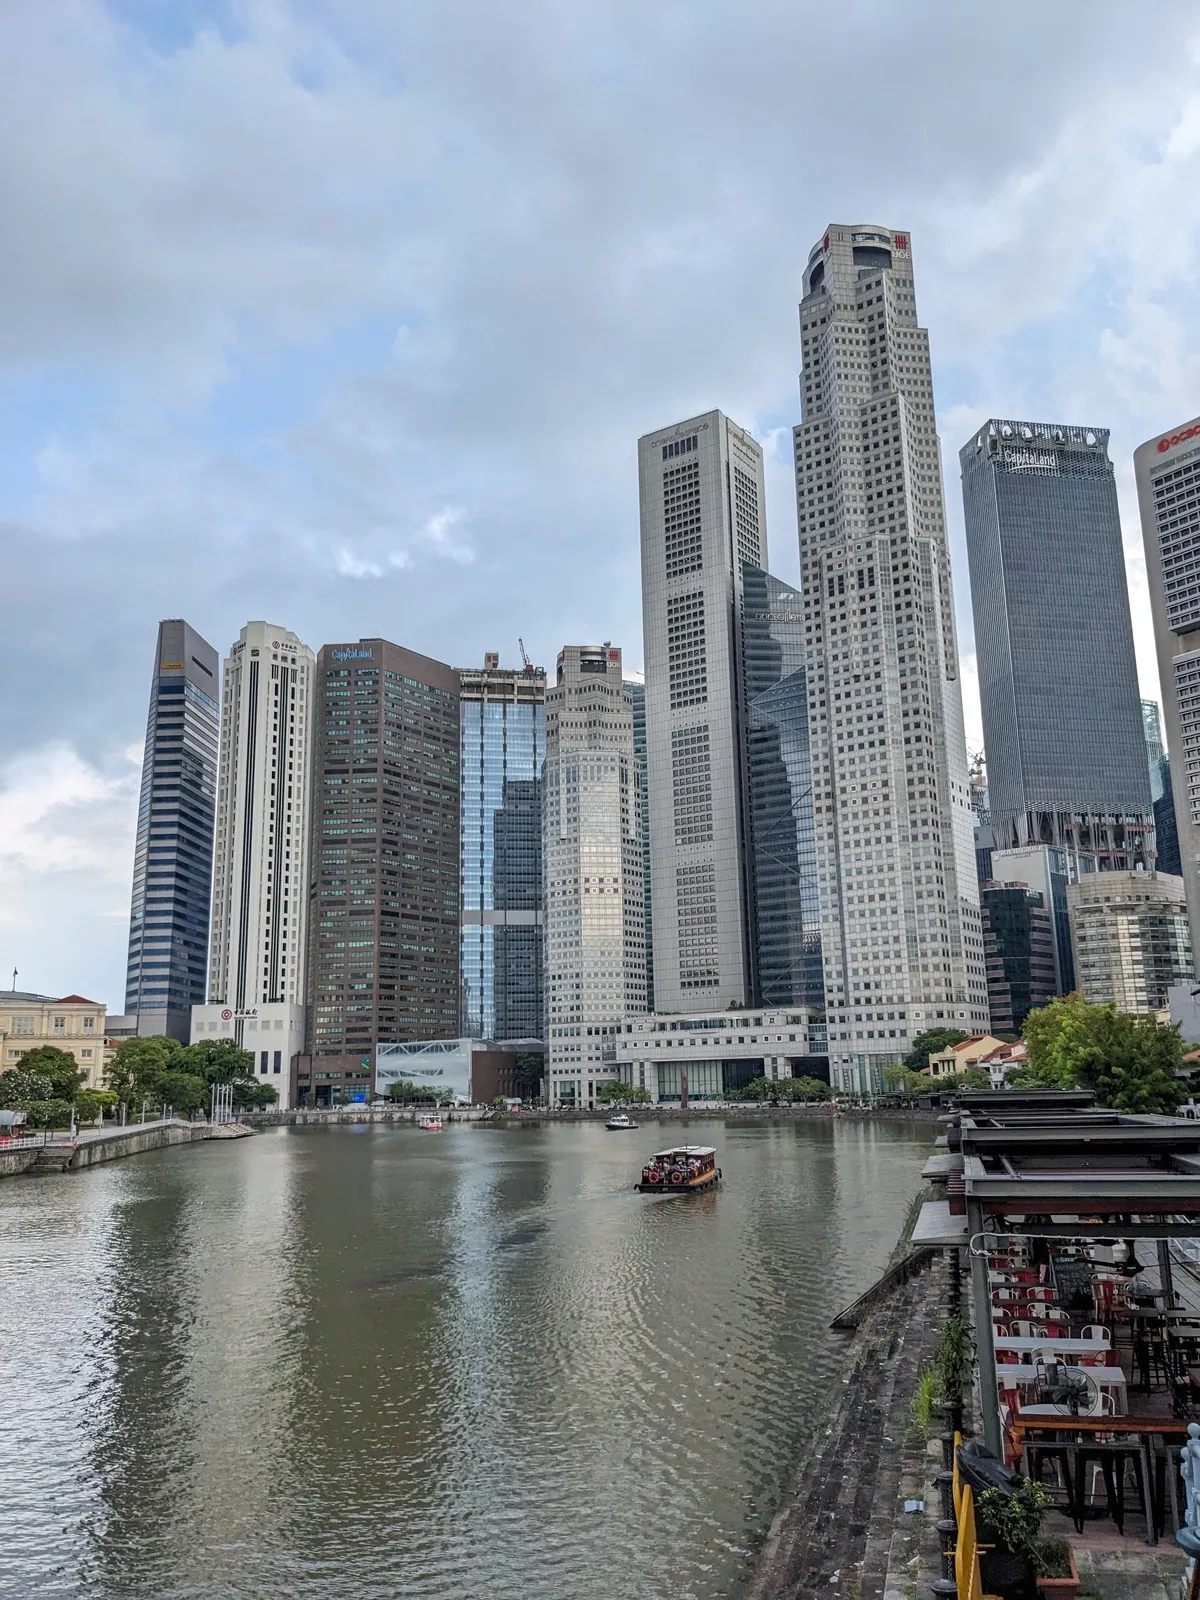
x,y
685,1150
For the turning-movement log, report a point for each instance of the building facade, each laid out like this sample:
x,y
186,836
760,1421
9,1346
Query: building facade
x,y
32,1021
901,937
717,1055
1129,932
785,904
503,745
635,692
1047,871
383,935
595,931
1053,638
1166,836
257,966
702,504
1167,470
1018,947
173,855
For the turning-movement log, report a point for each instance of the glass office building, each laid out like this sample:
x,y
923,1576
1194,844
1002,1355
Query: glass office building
x,y
635,693
172,868
1062,718
503,746
786,922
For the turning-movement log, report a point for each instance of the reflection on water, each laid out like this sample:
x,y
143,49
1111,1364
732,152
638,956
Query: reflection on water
x,y
360,1362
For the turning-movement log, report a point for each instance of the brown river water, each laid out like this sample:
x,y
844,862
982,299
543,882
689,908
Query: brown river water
x,y
351,1363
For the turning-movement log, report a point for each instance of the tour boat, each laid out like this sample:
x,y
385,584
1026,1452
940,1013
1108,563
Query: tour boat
x,y
431,1124
619,1123
685,1169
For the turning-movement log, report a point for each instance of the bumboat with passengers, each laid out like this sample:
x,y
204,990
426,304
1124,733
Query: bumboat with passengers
x,y
684,1169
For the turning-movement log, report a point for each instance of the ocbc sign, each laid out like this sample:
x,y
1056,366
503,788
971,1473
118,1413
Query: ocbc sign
x,y
1173,439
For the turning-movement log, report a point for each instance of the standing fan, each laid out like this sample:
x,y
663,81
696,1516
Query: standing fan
x,y
1072,1390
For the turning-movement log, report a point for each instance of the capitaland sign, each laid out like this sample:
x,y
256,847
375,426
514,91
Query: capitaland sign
x,y
351,655
1029,460
1170,440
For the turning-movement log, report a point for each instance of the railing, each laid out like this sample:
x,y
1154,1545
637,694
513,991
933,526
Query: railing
x,y
966,1552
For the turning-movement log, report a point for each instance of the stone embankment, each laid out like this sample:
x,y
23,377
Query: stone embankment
x,y
314,1116
61,1153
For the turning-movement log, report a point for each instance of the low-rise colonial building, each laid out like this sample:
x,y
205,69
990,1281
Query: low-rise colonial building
x,y
720,1052
29,1021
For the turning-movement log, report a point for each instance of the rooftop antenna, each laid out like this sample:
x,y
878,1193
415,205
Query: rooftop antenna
x,y
14,987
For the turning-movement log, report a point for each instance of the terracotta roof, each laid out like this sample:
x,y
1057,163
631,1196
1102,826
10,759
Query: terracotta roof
x,y
75,1000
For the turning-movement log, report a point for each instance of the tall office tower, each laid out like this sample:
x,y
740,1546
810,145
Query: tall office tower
x,y
1057,676
1049,872
702,517
256,969
1167,469
900,926
1018,942
595,944
786,910
635,692
172,863
503,745
1166,835
384,918
1131,939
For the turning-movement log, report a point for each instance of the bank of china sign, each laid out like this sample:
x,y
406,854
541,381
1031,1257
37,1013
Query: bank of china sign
x,y
1031,460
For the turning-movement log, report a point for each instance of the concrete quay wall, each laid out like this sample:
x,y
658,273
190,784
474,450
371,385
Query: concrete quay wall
x,y
92,1149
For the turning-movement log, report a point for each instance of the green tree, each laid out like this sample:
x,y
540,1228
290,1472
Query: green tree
x,y
1128,1062
931,1043
612,1091
136,1071
810,1089
223,1061
183,1092
528,1072
906,1083
772,1090
45,1086
404,1091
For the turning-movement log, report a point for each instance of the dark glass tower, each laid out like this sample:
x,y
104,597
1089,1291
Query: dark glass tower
x,y
1165,832
173,856
503,746
786,920
1018,943
1058,683
383,920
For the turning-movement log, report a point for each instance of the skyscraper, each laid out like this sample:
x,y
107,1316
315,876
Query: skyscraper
x,y
595,942
1018,942
1057,676
384,927
1166,836
900,926
635,692
503,745
1130,936
702,518
256,980
785,903
172,864
1167,470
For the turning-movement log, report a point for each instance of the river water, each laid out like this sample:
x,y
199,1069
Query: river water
x,y
369,1362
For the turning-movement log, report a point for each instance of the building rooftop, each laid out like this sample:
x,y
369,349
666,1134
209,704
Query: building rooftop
x,y
26,997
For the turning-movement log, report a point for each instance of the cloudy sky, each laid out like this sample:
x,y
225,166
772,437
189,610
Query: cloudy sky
x,y
348,314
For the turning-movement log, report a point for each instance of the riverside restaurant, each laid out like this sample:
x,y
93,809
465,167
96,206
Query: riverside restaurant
x,y
1080,1228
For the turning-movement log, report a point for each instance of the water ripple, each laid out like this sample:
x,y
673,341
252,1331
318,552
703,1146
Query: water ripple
x,y
324,1364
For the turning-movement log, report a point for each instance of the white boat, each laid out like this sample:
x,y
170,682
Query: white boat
x,y
430,1124
619,1123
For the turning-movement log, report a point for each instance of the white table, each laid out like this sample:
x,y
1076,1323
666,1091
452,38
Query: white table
x,y
1049,1347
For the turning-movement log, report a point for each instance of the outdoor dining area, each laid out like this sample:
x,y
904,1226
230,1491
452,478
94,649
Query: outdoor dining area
x,y
1080,1228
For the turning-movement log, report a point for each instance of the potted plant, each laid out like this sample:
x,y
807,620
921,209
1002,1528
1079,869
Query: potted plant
x,y
1015,1521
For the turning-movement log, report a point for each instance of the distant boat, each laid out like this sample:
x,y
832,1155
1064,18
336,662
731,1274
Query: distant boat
x,y
684,1169
430,1124
619,1123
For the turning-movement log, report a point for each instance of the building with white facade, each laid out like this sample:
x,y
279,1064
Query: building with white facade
x,y
702,503
717,1053
595,933
1130,938
901,936
1167,469
256,978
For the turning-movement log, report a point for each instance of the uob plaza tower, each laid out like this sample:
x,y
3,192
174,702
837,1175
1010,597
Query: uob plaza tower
x,y
901,941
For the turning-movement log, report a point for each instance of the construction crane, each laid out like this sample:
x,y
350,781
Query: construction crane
x,y
524,657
